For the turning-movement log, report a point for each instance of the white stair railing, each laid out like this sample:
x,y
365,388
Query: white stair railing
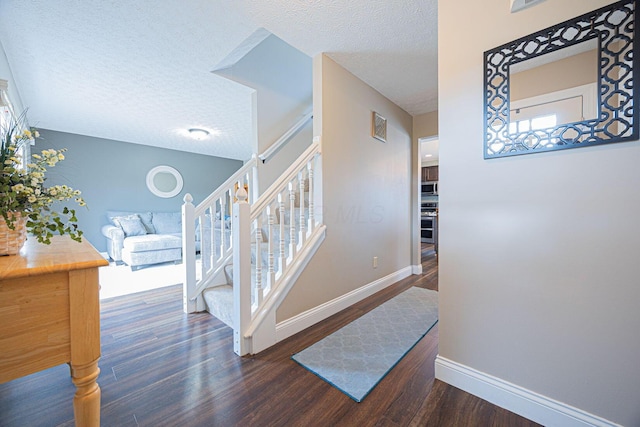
x,y
286,137
207,229
270,237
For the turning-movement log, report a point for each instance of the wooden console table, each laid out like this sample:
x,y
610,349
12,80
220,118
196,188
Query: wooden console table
x,y
50,315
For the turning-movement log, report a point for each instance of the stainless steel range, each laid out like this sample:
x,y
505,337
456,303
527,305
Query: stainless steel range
x,y
429,222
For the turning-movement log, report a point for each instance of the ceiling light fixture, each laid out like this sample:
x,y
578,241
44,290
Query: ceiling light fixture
x,y
198,134
428,155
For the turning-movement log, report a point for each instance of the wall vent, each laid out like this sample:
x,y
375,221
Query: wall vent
x,y
517,5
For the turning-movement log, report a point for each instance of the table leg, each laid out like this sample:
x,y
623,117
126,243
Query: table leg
x,y
86,401
84,310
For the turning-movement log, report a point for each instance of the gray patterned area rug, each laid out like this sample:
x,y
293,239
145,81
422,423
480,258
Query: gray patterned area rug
x,y
356,357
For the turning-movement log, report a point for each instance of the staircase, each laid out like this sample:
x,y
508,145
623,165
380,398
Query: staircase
x,y
253,249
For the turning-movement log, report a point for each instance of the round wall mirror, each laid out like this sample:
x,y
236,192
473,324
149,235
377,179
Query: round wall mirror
x,y
164,181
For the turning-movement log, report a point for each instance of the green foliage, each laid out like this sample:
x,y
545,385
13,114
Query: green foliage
x,y
22,186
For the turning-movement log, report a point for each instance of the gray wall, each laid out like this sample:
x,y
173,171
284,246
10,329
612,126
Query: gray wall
x,y
539,253
112,176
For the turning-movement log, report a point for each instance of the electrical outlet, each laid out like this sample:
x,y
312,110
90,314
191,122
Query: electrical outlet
x,y
375,262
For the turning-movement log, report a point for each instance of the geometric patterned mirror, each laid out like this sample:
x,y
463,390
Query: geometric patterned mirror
x,y
570,85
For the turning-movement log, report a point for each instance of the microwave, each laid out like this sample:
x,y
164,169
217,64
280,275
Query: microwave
x,y
430,188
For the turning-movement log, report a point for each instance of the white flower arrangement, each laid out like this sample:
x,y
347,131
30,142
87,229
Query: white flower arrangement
x,y
22,189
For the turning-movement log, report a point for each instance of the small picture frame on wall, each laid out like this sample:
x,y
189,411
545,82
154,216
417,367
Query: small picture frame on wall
x,y
379,127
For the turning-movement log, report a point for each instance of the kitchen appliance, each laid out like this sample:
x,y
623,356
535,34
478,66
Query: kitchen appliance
x,y
429,188
429,222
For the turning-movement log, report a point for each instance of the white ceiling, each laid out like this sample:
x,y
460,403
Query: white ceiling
x,y
140,71
429,150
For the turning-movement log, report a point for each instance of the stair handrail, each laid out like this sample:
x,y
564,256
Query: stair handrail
x,y
269,152
193,287
229,183
281,183
251,300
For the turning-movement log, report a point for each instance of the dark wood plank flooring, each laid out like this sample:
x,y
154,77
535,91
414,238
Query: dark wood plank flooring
x,y
161,367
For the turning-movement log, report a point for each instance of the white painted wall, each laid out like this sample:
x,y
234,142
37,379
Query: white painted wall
x,y
539,273
6,74
282,78
367,190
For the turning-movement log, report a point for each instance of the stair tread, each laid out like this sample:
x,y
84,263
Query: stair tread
x,y
219,300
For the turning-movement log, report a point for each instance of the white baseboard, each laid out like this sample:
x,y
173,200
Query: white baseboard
x,y
524,402
310,317
416,269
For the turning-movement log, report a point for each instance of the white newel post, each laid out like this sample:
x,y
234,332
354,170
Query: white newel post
x,y
241,271
188,254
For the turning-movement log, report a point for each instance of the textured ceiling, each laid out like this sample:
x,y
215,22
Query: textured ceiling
x,y
140,71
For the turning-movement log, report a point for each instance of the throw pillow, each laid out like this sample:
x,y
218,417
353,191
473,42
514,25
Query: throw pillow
x,y
167,222
114,218
146,219
131,225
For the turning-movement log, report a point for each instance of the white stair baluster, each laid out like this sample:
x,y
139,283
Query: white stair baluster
x,y
205,252
271,218
283,255
223,211
312,214
210,219
303,221
292,221
258,255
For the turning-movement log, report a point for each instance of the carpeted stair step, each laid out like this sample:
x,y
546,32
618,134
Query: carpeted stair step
x,y
219,301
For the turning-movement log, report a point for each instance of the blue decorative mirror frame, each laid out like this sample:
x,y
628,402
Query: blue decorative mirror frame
x,y
612,30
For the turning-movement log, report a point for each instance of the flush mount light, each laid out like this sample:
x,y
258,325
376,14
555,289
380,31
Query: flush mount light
x,y
198,134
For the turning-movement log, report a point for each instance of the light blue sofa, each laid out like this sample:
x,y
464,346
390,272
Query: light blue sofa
x,y
143,238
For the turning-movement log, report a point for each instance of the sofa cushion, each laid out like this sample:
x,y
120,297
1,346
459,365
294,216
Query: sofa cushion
x,y
152,242
167,222
145,217
131,225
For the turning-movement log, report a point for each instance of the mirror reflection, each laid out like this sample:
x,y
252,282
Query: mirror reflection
x,y
556,88
165,181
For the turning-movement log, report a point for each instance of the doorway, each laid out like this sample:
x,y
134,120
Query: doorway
x,y
429,148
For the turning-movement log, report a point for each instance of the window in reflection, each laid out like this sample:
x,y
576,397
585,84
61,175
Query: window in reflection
x,y
536,123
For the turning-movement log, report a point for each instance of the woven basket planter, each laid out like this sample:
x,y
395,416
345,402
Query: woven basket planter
x,y
12,240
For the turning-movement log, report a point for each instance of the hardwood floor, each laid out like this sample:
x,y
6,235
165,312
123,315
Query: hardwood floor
x,y
161,367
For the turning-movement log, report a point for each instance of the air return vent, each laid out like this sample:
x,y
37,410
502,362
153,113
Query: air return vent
x,y
517,5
